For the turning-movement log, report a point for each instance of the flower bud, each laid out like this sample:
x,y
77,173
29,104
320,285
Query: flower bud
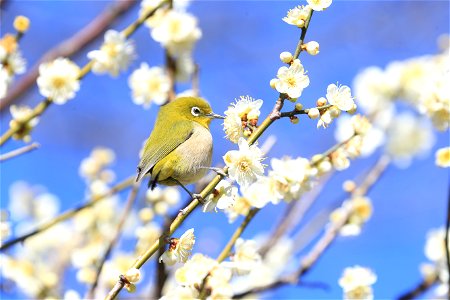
x,y
298,106
324,166
313,113
286,57
146,214
349,186
21,24
133,275
294,119
312,48
273,82
321,101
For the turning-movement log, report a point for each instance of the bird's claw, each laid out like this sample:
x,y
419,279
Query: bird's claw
x,y
198,197
183,211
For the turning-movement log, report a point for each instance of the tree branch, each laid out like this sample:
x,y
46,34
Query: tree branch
x,y
70,213
42,106
19,151
69,47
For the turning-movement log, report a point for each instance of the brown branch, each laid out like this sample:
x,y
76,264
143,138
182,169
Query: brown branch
x,y
19,151
69,47
126,212
275,114
420,288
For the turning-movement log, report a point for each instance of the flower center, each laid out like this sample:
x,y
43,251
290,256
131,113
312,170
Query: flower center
x,y
58,82
244,166
110,49
292,82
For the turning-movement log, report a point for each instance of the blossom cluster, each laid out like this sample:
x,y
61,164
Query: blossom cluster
x,y
246,268
35,267
419,82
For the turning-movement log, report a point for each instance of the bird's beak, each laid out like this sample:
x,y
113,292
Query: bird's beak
x,y
214,116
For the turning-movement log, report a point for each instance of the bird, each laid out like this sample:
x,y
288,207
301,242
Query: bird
x,y
179,148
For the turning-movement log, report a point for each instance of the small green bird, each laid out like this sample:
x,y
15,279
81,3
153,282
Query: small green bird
x,y
179,149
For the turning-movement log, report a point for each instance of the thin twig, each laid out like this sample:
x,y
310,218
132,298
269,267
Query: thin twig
x,y
42,106
275,114
293,215
19,151
70,213
420,288
126,212
288,114
327,238
69,47
227,249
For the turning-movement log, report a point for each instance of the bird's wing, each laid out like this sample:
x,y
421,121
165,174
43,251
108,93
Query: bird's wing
x,y
154,150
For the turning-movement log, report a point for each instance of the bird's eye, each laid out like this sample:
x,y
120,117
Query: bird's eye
x,y
195,111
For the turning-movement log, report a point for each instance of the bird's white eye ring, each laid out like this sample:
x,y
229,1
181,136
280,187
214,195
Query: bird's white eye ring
x,y
195,111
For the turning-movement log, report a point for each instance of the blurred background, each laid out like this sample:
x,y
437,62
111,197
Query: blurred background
x,y
238,55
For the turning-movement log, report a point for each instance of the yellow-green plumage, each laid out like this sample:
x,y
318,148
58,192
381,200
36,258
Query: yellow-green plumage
x,y
179,148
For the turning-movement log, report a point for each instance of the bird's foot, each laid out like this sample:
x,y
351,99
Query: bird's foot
x,y
198,197
183,211
219,171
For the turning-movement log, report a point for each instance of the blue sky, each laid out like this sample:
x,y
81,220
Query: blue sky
x,y
238,55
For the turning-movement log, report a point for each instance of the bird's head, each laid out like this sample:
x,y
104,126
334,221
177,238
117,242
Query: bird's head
x,y
192,108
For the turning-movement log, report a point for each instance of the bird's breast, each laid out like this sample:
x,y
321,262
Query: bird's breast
x,y
195,155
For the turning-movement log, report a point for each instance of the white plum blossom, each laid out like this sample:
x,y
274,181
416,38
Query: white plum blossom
x,y
115,54
288,176
244,164
240,117
232,125
340,96
245,256
357,282
195,270
258,194
292,80
59,80
409,136
177,31
12,61
223,196
179,249
297,16
149,84
319,5
372,139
